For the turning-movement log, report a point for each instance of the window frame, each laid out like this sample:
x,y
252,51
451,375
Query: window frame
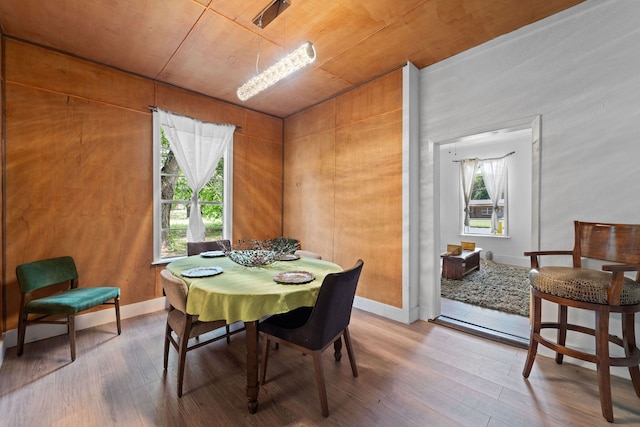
x,y
227,199
505,200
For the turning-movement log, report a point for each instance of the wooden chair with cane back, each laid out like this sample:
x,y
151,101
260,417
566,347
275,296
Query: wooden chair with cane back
x,y
602,291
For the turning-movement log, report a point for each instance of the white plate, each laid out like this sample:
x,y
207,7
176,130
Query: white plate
x,y
202,272
211,254
294,277
289,257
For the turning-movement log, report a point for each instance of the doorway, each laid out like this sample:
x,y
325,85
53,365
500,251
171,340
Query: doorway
x,y
524,181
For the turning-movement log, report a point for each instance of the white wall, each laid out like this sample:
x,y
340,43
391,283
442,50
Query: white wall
x,y
505,250
580,70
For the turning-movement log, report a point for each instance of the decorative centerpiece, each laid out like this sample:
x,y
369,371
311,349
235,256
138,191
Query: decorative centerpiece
x,y
259,253
284,246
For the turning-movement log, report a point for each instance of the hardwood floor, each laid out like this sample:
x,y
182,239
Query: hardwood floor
x,y
421,374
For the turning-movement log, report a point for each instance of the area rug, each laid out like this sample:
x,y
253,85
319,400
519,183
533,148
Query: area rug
x,y
496,286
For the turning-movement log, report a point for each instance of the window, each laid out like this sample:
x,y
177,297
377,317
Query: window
x,y
173,198
487,201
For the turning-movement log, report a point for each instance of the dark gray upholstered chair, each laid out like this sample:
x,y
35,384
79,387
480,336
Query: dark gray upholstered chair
x,y
603,292
184,326
312,329
195,248
34,276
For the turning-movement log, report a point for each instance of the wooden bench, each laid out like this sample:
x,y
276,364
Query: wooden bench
x,y
456,266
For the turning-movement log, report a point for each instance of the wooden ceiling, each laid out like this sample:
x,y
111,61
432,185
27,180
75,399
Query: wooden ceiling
x,y
211,46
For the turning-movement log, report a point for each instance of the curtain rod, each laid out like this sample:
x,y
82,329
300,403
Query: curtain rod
x,y
489,158
237,129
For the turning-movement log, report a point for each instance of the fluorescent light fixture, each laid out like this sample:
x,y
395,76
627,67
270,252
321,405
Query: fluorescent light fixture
x,y
299,58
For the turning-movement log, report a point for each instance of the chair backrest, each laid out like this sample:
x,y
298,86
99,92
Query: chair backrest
x,y
332,311
175,289
619,243
47,272
195,248
308,254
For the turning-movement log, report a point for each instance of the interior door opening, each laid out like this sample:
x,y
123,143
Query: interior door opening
x,y
522,137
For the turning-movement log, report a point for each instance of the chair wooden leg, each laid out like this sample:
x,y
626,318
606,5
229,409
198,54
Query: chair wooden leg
x,y
352,358
166,345
562,330
322,391
265,358
116,303
535,331
71,326
22,327
337,349
603,366
182,353
630,348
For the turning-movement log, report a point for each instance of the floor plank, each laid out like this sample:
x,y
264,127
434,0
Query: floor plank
x,y
409,375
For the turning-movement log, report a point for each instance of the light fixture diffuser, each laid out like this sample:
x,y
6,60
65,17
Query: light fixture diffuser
x,y
299,58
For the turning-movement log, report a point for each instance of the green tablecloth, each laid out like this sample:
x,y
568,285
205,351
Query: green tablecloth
x,y
248,293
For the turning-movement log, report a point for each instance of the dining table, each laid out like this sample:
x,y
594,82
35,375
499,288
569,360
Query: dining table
x,y
221,289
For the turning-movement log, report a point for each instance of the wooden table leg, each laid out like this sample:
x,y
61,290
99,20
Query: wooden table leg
x,y
252,365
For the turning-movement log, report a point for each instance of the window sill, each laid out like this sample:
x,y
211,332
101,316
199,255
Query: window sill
x,y
165,261
492,236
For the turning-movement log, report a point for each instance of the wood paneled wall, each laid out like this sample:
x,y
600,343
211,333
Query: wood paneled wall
x,y
343,183
79,172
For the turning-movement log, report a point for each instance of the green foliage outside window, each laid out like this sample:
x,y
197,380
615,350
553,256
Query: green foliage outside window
x,y
479,190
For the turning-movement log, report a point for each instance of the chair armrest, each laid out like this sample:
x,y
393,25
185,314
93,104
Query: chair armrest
x,y
535,262
617,280
620,267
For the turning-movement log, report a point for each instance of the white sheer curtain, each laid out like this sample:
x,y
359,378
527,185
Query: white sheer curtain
x,y
468,169
198,147
494,172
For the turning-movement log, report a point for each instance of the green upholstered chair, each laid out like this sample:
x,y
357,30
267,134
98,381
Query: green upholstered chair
x,y
185,326
311,330
603,291
62,306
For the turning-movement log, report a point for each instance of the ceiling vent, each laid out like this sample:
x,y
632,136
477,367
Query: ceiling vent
x,y
271,12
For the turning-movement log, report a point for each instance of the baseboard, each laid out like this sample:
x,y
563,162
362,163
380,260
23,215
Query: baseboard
x,y
83,321
512,260
385,310
3,348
